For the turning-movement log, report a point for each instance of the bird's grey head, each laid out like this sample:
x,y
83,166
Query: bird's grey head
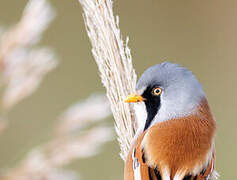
x,y
170,91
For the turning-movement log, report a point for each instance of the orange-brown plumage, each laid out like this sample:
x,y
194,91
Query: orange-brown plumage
x,y
128,170
139,156
181,144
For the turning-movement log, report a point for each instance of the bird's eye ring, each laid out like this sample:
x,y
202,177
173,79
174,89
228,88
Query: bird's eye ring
x,y
156,91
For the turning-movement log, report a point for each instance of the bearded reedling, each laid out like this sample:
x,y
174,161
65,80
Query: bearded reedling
x,y
175,138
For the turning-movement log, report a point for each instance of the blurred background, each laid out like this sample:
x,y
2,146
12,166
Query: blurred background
x,y
200,35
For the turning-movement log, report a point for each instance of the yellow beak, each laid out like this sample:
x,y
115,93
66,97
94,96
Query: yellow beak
x,y
132,98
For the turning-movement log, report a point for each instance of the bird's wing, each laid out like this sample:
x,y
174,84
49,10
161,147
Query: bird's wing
x,y
137,168
207,173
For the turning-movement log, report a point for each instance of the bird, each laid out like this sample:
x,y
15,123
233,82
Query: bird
x,y
175,139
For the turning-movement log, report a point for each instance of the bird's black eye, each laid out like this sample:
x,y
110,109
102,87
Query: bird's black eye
x,y
156,91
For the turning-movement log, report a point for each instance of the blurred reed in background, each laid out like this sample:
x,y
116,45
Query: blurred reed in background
x,y
23,64
74,138
23,67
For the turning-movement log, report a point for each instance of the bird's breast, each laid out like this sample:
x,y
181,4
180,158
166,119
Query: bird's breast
x,y
181,145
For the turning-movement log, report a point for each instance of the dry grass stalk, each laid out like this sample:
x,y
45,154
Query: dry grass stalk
x,y
46,161
22,65
115,65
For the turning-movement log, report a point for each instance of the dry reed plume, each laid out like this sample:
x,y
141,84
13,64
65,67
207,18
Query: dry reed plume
x,y
115,65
